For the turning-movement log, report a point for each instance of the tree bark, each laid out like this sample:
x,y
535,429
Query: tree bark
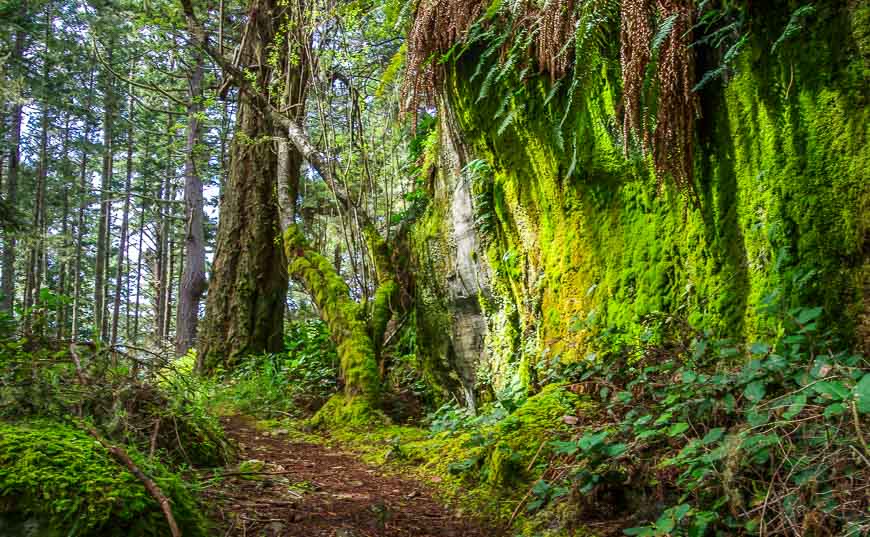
x,y
161,237
9,238
125,224
33,282
105,203
245,303
84,202
193,281
65,228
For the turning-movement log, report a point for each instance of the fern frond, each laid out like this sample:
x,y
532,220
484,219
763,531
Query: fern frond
x,y
795,25
665,29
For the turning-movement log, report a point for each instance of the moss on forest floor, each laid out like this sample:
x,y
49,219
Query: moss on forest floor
x,y
57,480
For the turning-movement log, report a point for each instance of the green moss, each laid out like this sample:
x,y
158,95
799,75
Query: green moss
x,y
57,473
345,412
343,316
430,258
584,240
500,459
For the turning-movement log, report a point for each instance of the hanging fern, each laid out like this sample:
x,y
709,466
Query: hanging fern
x,y
795,25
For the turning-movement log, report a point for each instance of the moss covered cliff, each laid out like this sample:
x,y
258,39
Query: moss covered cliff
x,y
578,237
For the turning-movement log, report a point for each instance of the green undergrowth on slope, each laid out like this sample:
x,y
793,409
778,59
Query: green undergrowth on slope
x,y
56,478
683,433
295,382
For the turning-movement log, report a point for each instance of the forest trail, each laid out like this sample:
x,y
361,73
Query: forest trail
x,y
311,490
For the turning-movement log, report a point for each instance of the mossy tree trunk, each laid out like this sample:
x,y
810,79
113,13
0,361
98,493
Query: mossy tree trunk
x,y
344,316
245,303
354,337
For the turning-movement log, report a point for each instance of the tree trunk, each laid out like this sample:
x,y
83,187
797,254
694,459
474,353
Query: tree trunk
x,y
245,303
105,204
84,202
65,228
193,281
161,235
9,239
33,282
125,224
170,275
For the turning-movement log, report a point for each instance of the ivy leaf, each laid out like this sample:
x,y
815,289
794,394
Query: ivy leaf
x,y
681,511
759,348
665,524
689,377
832,389
678,428
809,314
564,448
836,409
756,418
663,419
862,394
714,435
590,441
615,450
795,408
755,391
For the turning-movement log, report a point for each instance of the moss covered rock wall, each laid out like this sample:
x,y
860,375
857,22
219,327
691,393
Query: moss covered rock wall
x,y
578,237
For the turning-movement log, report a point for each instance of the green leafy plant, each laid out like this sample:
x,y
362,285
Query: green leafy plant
x,y
740,439
295,382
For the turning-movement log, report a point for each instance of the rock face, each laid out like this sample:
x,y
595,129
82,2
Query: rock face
x,y
566,235
455,277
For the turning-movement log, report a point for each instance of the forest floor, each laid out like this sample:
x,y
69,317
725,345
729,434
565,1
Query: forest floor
x,y
287,488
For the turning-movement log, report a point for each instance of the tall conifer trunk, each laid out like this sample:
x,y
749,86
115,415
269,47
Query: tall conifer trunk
x,y
193,282
105,204
248,285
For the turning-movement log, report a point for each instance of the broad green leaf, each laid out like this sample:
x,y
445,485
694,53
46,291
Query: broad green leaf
x,y
663,419
564,448
624,397
615,450
757,418
643,420
759,348
665,524
809,314
678,428
681,511
795,408
589,441
689,377
755,391
714,435
862,394
833,389
836,409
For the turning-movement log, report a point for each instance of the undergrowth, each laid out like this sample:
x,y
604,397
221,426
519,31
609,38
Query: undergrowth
x,y
293,383
58,402
62,476
710,437
670,434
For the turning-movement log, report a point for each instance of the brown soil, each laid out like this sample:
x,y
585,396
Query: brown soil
x,y
311,490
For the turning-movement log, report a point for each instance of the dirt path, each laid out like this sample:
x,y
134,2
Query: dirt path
x,y
310,490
